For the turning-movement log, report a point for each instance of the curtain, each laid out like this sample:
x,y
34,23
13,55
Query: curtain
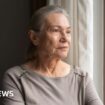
x,y
87,46
81,51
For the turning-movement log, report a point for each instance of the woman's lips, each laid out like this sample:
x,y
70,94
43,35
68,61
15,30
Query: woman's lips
x,y
62,48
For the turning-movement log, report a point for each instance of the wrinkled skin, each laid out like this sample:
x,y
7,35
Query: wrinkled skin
x,y
53,45
56,37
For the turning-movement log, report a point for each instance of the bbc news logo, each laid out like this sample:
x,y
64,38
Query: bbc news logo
x,y
8,93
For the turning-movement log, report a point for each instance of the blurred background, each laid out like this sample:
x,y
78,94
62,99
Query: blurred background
x,y
14,18
88,29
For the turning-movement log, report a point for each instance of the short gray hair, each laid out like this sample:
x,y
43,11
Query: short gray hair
x,y
38,18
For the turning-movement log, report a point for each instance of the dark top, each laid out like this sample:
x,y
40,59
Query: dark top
x,y
32,88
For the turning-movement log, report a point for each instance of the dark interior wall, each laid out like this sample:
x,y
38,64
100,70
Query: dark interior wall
x,y
14,19
36,4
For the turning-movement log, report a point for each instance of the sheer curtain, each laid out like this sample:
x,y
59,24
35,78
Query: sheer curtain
x,y
81,17
86,51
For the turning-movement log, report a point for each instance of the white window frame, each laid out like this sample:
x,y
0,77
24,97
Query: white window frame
x,y
98,43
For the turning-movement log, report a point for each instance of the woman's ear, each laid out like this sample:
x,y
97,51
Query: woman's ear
x,y
33,37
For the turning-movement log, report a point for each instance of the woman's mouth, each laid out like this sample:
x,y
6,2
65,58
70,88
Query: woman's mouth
x,y
63,48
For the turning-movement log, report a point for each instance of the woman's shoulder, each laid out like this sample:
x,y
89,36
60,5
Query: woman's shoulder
x,y
12,79
15,71
76,70
80,72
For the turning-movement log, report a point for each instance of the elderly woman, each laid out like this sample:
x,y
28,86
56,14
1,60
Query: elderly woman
x,y
45,79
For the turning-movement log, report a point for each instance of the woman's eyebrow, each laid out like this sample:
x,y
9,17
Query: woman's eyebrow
x,y
59,26
69,27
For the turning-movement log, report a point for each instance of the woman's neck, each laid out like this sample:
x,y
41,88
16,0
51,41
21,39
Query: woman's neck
x,y
48,64
51,67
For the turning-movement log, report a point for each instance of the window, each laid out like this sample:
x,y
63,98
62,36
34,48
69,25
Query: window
x,y
87,50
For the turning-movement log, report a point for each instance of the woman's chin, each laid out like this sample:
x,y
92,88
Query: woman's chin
x,y
62,56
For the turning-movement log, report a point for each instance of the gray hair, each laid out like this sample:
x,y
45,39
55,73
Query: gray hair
x,y
36,24
38,18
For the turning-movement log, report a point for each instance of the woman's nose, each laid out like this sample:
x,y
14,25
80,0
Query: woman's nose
x,y
64,37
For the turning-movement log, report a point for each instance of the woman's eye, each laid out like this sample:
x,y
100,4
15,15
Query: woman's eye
x,y
68,32
54,30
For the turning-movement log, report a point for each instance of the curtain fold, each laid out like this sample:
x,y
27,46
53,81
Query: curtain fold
x,y
87,46
81,15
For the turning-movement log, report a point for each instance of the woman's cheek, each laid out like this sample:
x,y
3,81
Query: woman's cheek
x,y
51,46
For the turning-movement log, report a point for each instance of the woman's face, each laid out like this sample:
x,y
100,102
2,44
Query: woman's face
x,y
55,40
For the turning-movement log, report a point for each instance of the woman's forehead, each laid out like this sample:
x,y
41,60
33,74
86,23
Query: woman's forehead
x,y
57,20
